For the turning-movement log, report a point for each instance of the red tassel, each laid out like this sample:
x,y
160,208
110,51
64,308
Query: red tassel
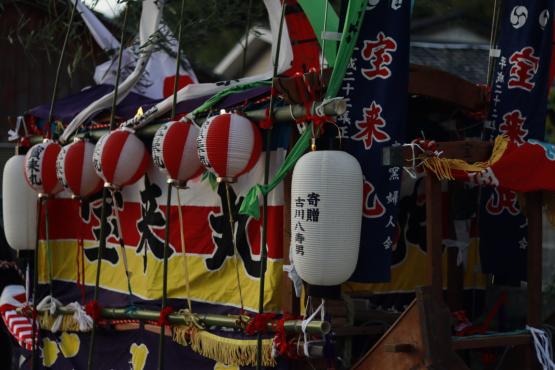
x,y
94,310
259,323
164,313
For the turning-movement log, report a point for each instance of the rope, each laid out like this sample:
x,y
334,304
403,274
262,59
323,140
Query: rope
x,y
443,168
247,31
103,216
48,249
184,251
321,309
267,155
177,60
80,256
235,252
164,310
58,69
122,246
35,351
542,344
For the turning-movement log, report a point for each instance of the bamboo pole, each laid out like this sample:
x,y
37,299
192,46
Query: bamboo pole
x,y
226,321
282,114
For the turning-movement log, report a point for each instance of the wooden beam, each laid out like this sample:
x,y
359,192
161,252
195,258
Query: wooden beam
x,y
491,341
446,87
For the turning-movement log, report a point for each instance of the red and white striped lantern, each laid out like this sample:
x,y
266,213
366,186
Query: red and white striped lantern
x,y
229,145
75,169
40,168
174,151
120,158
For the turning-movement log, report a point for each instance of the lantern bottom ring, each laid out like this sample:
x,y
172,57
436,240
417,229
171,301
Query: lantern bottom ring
x,y
112,186
43,196
178,184
229,180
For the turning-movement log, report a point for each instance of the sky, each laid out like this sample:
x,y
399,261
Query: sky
x,y
110,8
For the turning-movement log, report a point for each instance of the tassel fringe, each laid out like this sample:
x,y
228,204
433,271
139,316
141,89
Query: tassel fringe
x,y
443,168
50,322
229,351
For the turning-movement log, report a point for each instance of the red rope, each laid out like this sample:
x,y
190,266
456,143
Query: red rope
x,y
280,339
266,123
94,310
259,323
164,313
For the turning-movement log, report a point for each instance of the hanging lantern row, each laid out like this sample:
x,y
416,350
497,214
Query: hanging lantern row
x,y
228,145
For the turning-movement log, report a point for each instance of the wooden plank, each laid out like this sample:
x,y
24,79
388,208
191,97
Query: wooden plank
x,y
347,331
405,330
490,341
433,234
424,326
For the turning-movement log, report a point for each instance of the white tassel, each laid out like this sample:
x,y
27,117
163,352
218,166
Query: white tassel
x,y
83,319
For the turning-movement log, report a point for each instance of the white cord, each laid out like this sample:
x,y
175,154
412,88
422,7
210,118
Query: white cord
x,y
322,310
542,344
412,169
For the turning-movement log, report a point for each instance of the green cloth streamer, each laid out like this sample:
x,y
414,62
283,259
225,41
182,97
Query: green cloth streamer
x,y
351,29
316,13
250,204
230,90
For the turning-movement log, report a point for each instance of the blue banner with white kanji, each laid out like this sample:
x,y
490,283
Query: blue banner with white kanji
x,y
519,87
376,85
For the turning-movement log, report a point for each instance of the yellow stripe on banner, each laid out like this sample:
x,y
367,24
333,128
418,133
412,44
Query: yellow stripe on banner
x,y
217,287
413,272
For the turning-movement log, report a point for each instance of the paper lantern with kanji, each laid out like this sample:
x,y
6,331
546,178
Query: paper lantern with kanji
x,y
229,145
174,151
19,205
120,158
40,168
326,216
75,169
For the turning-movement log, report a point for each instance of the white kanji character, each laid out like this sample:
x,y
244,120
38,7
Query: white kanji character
x,y
394,174
392,197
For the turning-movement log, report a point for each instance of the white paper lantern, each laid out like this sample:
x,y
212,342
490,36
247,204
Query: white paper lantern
x,y
326,216
19,205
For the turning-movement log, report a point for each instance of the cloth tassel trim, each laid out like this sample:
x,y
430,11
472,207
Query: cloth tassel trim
x,y
229,351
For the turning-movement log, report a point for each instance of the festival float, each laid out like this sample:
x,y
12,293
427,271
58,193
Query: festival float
x,y
289,219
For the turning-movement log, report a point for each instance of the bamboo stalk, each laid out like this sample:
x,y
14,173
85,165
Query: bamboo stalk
x,y
229,321
283,114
